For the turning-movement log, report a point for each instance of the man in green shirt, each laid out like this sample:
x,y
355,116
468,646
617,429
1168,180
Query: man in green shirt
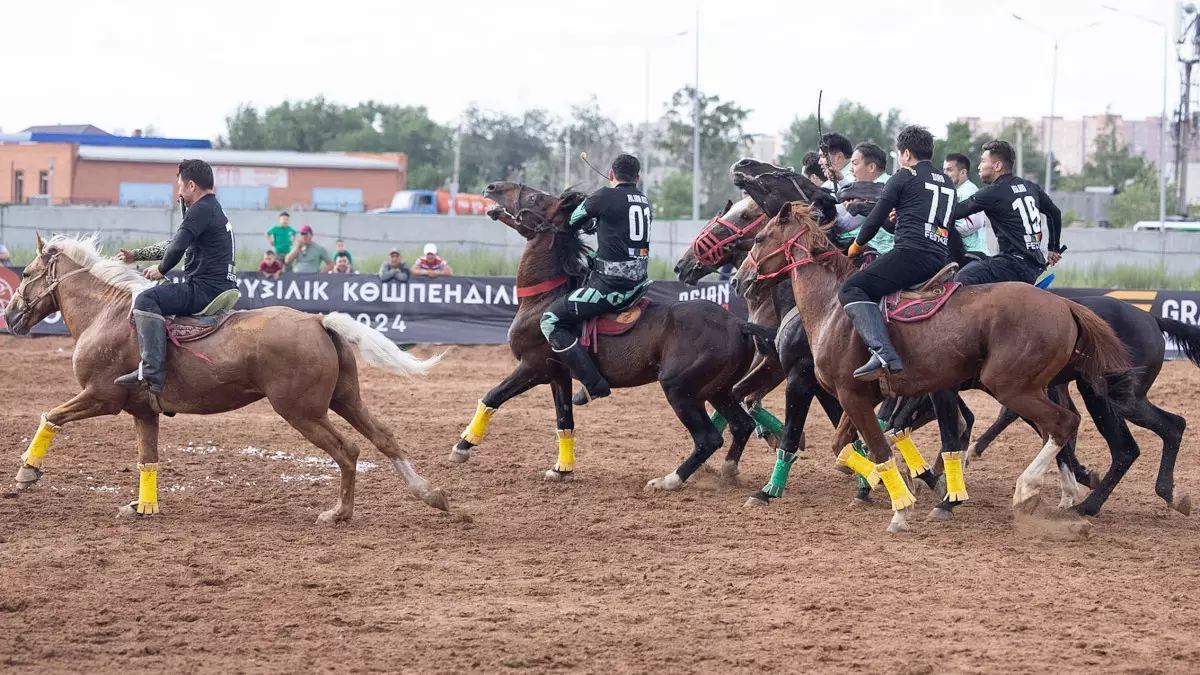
x,y
308,257
280,238
869,165
839,156
958,168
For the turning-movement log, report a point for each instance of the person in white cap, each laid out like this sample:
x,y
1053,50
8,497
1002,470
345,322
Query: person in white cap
x,y
431,264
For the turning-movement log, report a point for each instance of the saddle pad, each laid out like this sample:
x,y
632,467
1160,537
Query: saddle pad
x,y
191,328
612,324
909,307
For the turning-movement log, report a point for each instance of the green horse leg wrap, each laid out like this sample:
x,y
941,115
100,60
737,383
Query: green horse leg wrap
x,y
718,421
861,449
765,423
783,465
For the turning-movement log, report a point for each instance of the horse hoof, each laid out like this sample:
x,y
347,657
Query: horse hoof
x,y
671,482
1183,505
129,511
939,514
860,503
1027,506
730,472
459,455
556,476
435,498
755,502
897,528
332,517
28,476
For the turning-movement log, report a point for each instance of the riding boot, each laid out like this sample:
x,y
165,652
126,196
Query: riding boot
x,y
152,343
583,368
867,319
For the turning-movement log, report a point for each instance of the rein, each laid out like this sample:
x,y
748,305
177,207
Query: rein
x,y
50,275
786,250
709,249
544,287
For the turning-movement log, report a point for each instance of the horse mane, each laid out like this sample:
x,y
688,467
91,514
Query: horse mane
x,y
817,241
568,247
84,251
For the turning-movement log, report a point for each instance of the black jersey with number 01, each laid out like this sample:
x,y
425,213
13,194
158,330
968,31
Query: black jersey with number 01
x,y
1015,206
923,198
623,218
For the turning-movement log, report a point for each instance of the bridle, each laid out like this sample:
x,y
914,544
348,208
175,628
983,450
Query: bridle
x,y
51,275
709,249
786,250
518,218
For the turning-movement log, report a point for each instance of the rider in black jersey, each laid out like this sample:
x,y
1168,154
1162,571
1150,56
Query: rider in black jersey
x,y
206,238
1014,206
618,277
923,197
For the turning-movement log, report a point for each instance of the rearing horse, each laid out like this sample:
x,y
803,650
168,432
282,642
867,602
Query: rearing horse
x,y
254,355
1014,338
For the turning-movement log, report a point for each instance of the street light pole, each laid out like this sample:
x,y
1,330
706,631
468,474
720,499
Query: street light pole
x,y
1050,131
646,129
696,131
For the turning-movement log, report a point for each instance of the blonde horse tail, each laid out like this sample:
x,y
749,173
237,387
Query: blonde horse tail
x,y
376,349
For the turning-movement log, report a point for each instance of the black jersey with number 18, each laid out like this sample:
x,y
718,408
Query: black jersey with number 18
x,y
623,218
1015,206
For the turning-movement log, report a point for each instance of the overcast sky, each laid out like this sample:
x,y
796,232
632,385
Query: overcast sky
x,y
184,66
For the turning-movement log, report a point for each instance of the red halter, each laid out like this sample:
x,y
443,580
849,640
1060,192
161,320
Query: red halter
x,y
786,250
709,250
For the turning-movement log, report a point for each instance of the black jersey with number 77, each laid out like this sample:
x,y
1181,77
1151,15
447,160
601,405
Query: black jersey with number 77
x,y
1015,206
923,198
623,218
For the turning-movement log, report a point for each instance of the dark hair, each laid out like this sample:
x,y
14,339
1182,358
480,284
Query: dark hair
x,y
342,254
197,171
873,154
960,159
285,214
1002,151
917,140
339,241
836,142
270,251
626,168
810,164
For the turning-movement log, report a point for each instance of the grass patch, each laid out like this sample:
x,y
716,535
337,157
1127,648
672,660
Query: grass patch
x,y
1148,277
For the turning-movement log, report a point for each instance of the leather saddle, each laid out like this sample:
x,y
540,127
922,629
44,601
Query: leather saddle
x,y
205,323
923,300
617,323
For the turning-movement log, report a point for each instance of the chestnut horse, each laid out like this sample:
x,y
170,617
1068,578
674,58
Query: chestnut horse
x,y
1014,338
302,363
696,350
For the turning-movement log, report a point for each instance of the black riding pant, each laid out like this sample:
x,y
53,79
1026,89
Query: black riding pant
x,y
998,269
893,271
563,320
183,299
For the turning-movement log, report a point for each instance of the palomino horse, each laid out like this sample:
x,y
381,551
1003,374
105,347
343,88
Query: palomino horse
x,y
254,355
1014,338
696,350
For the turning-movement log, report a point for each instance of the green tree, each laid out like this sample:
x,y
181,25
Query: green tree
x,y
722,142
1139,199
244,130
672,198
958,139
853,120
496,146
1112,163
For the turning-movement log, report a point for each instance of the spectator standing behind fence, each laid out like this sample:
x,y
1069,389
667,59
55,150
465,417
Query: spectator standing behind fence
x,y
342,266
394,269
341,252
280,238
5,257
431,264
270,265
308,257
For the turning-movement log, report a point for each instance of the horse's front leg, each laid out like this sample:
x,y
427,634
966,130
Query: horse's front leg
x,y
147,501
564,413
518,382
86,404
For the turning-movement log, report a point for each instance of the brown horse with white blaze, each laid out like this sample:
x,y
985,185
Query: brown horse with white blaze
x,y
254,355
1014,338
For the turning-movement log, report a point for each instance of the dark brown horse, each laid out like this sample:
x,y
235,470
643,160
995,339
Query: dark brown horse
x,y
1014,338
696,350
255,355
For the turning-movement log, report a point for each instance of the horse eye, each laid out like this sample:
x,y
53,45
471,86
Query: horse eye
x,y
758,240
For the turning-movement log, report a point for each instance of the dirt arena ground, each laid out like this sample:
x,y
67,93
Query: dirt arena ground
x,y
594,576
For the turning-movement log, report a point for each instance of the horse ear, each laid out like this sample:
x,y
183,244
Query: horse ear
x,y
40,246
728,205
785,213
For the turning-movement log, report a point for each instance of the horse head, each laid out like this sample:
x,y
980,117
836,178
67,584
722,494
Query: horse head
x,y
38,281
724,240
791,239
534,214
772,186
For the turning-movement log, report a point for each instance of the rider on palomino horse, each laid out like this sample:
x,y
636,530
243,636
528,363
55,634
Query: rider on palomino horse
x,y
618,277
206,238
923,198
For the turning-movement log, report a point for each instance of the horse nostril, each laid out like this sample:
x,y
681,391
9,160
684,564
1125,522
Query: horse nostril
x,y
490,188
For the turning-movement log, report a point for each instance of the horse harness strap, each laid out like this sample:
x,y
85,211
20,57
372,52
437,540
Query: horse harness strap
x,y
793,262
51,269
707,247
538,289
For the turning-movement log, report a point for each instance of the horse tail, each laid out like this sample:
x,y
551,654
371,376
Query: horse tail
x,y
1103,358
376,349
764,339
1185,335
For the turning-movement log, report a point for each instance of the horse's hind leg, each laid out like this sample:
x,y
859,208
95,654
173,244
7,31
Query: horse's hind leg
x,y
799,396
319,430
741,426
518,382
1003,421
351,408
147,501
1121,444
705,436
1169,427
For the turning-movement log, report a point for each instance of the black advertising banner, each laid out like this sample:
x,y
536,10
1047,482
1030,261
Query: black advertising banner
x,y
479,310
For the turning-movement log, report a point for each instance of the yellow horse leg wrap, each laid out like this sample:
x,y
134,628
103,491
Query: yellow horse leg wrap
x,y
566,451
148,490
861,465
912,456
956,487
40,443
479,424
902,497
